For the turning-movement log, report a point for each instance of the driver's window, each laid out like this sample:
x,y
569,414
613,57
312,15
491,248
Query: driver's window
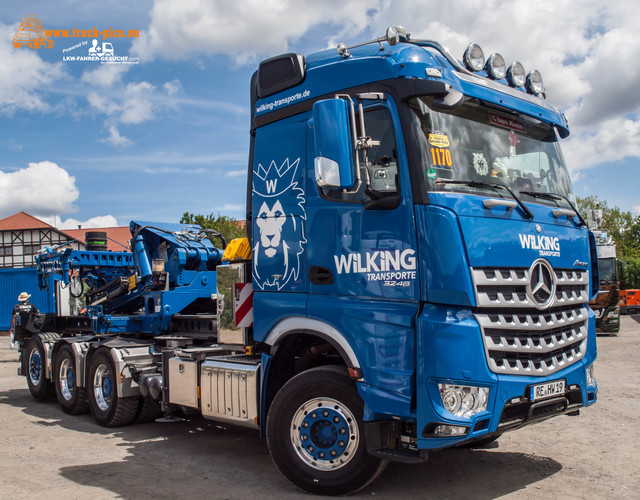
x,y
382,160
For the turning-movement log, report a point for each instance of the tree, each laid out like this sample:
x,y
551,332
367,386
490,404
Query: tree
x,y
630,275
226,275
228,227
620,225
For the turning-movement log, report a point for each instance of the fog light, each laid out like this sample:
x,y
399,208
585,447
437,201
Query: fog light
x,y
474,57
450,430
516,75
534,82
463,401
591,377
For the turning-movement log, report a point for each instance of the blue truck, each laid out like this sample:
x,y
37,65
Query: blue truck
x,y
418,278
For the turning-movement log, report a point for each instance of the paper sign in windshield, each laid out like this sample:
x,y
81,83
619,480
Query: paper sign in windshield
x,y
439,140
503,121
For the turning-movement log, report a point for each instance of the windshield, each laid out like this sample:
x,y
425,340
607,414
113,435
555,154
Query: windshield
x,y
607,269
475,143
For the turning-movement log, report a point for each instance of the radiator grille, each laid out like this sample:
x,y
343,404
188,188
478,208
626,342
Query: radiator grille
x,y
521,339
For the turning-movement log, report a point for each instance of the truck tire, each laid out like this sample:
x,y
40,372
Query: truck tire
x,y
107,408
148,411
35,363
315,433
72,398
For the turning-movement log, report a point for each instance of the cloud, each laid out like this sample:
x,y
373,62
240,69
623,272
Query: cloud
x,y
133,107
246,29
173,87
42,188
93,222
105,75
615,139
636,210
115,138
136,107
236,173
24,76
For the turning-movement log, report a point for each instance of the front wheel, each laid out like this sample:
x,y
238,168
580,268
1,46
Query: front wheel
x,y
108,409
72,398
315,433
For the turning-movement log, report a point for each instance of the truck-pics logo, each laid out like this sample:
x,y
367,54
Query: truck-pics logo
x,y
395,268
280,223
31,34
548,246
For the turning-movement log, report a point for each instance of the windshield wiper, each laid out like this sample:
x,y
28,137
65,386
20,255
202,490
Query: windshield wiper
x,y
556,196
490,185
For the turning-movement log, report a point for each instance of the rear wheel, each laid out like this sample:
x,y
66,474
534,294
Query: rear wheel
x,y
108,409
36,364
72,398
315,433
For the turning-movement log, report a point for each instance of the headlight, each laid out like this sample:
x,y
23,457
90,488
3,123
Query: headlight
x,y
463,401
474,57
591,377
613,314
534,82
496,67
515,75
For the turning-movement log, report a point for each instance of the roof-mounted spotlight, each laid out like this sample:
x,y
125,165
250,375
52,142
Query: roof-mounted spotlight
x,y
474,57
496,68
534,82
516,75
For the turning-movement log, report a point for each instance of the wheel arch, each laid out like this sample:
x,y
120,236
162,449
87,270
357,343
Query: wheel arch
x,y
298,344
315,328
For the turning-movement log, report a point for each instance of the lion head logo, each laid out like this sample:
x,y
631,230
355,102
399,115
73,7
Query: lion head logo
x,y
280,218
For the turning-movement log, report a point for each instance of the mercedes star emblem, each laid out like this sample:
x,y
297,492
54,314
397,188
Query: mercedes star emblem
x,y
541,287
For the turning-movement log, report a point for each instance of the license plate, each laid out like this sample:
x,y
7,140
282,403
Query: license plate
x,y
547,390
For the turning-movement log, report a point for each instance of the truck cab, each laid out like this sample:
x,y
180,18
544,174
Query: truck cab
x,y
413,219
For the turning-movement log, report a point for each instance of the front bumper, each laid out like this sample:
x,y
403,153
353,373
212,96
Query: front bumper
x,y
450,350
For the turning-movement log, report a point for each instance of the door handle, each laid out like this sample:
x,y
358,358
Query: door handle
x,y
320,275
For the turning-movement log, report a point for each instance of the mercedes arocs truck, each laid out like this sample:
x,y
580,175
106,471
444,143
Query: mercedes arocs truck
x,y
418,277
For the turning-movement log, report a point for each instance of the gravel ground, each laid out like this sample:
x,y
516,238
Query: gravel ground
x,y
48,454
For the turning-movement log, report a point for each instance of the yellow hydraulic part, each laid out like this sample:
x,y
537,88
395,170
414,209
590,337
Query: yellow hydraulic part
x,y
237,249
132,282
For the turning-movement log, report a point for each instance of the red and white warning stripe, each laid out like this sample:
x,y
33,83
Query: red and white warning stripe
x,y
243,304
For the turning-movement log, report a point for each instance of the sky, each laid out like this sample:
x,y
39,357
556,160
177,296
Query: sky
x,y
83,143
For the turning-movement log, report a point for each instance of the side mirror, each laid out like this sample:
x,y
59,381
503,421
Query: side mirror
x,y
334,166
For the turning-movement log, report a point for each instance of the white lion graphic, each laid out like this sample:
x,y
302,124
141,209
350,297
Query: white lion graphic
x,y
277,251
